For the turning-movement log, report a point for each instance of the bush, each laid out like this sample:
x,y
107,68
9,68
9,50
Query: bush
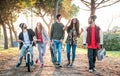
x,y
111,41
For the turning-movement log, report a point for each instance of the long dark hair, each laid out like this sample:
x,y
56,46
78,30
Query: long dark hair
x,y
76,26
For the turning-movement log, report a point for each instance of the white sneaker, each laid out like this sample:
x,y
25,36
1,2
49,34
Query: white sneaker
x,y
91,70
94,69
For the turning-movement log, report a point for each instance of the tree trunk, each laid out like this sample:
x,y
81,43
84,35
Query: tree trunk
x,y
110,23
11,38
5,36
14,31
15,34
48,24
56,9
12,27
93,8
10,31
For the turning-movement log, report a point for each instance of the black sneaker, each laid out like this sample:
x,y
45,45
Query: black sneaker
x,y
59,65
71,64
18,64
67,64
56,64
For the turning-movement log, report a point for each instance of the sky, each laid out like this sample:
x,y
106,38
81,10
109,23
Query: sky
x,y
104,16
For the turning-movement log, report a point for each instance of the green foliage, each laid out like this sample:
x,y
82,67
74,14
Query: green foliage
x,y
68,10
74,11
28,3
7,8
112,41
45,5
65,7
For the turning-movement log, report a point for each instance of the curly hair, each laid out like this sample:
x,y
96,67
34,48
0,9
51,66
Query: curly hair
x,y
76,26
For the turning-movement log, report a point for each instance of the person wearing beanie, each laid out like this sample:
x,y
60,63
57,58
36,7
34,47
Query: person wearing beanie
x,y
27,36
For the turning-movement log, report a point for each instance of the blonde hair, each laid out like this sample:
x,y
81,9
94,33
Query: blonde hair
x,y
39,27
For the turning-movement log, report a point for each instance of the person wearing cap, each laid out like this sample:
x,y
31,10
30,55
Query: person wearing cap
x,y
27,35
57,36
42,40
93,41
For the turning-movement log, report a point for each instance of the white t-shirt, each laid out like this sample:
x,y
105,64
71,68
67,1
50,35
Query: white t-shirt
x,y
26,37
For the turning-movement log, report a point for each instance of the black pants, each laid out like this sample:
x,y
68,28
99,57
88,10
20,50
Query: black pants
x,y
92,53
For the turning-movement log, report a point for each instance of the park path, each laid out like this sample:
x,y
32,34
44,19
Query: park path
x,y
80,68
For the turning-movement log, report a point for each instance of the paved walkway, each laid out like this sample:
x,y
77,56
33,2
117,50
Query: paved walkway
x,y
80,67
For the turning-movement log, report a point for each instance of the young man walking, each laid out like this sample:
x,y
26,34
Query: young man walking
x,y
57,36
93,41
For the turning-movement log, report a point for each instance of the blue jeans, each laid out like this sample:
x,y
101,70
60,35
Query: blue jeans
x,y
57,51
41,50
22,53
68,48
92,53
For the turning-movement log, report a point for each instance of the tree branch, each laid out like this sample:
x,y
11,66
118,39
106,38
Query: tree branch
x,y
42,16
106,1
96,0
86,3
99,3
35,12
109,24
85,9
51,19
108,4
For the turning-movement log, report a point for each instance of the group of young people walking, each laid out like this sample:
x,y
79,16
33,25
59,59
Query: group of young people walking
x,y
91,40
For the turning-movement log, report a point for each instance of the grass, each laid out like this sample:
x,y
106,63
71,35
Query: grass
x,y
1,48
108,53
7,54
81,51
11,51
113,53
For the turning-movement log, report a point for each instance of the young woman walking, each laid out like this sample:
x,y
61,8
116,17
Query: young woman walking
x,y
42,40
